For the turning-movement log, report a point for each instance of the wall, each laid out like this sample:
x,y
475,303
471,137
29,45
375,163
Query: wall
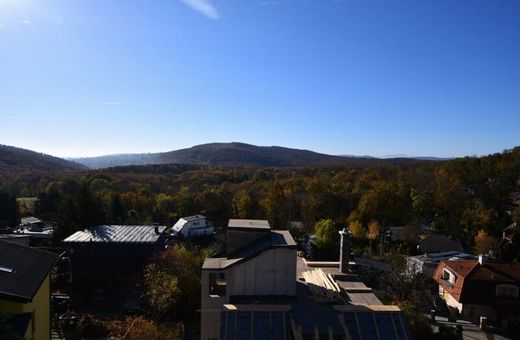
x,y
271,273
40,307
211,306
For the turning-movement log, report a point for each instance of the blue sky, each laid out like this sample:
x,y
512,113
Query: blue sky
x,y
375,77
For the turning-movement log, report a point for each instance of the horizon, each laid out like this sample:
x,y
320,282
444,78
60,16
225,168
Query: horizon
x,y
386,156
362,78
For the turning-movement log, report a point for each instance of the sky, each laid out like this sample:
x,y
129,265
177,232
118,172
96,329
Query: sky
x,y
357,77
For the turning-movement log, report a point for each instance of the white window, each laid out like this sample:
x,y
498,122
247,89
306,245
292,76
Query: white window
x,y
448,276
506,290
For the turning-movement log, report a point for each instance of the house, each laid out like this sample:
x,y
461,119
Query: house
x,y
260,289
110,258
480,288
193,226
25,289
436,243
427,263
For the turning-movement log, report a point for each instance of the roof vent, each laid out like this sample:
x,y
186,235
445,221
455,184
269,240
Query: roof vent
x,y
6,270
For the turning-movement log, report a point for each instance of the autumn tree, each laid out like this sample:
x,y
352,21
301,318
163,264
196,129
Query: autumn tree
x,y
173,282
356,228
276,207
484,243
140,328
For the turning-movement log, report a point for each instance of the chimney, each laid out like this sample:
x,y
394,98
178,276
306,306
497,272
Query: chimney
x,y
156,228
481,259
344,251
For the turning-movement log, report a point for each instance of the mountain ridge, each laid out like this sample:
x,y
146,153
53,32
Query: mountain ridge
x,y
232,153
21,160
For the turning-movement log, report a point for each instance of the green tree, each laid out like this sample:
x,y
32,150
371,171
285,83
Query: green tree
x,y
327,237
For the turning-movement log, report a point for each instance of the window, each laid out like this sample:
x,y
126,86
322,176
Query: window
x,y
217,284
448,276
507,291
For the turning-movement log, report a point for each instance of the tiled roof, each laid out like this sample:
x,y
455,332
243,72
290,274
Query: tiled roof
x,y
22,270
116,234
473,281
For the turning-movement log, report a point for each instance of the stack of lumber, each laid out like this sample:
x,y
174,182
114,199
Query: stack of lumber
x,y
322,286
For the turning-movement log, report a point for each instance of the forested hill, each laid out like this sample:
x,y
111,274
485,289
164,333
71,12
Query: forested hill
x,y
16,160
234,154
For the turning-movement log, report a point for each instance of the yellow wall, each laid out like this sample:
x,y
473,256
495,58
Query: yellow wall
x,y
41,309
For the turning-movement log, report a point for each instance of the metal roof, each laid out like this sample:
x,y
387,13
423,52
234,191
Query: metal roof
x,y
193,218
117,234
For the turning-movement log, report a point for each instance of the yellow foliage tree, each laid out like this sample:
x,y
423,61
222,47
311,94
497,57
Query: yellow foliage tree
x,y
356,228
484,242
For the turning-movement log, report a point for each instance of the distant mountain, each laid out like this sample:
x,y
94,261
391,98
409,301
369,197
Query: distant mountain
x,y
21,160
231,154
424,158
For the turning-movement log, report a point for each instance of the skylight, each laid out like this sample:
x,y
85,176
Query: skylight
x,y
6,270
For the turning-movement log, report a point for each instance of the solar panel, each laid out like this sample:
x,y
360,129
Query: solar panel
x,y
385,327
350,322
277,326
262,325
367,325
243,329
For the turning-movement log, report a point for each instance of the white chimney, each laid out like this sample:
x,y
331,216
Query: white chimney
x,y
481,260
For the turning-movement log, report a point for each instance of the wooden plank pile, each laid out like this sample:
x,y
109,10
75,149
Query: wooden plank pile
x,y
322,286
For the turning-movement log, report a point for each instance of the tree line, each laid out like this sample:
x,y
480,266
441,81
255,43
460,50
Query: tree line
x,y
459,197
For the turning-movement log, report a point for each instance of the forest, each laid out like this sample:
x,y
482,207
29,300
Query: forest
x,y
459,197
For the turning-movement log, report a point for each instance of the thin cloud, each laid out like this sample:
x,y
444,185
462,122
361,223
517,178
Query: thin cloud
x,y
204,7
109,103
2,26
25,22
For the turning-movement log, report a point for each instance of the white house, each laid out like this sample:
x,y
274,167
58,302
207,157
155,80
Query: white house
x,y
193,226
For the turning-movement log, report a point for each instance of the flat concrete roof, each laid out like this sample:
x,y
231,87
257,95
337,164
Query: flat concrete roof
x,y
249,224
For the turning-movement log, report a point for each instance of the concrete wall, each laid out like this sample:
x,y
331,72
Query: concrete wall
x,y
271,273
211,306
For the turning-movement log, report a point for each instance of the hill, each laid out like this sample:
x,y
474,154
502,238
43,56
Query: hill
x,y
19,160
233,154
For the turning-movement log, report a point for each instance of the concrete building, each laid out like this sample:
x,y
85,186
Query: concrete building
x,y
25,289
193,226
260,289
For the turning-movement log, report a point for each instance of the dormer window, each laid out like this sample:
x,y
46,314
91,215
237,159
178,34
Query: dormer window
x,y
507,291
448,276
